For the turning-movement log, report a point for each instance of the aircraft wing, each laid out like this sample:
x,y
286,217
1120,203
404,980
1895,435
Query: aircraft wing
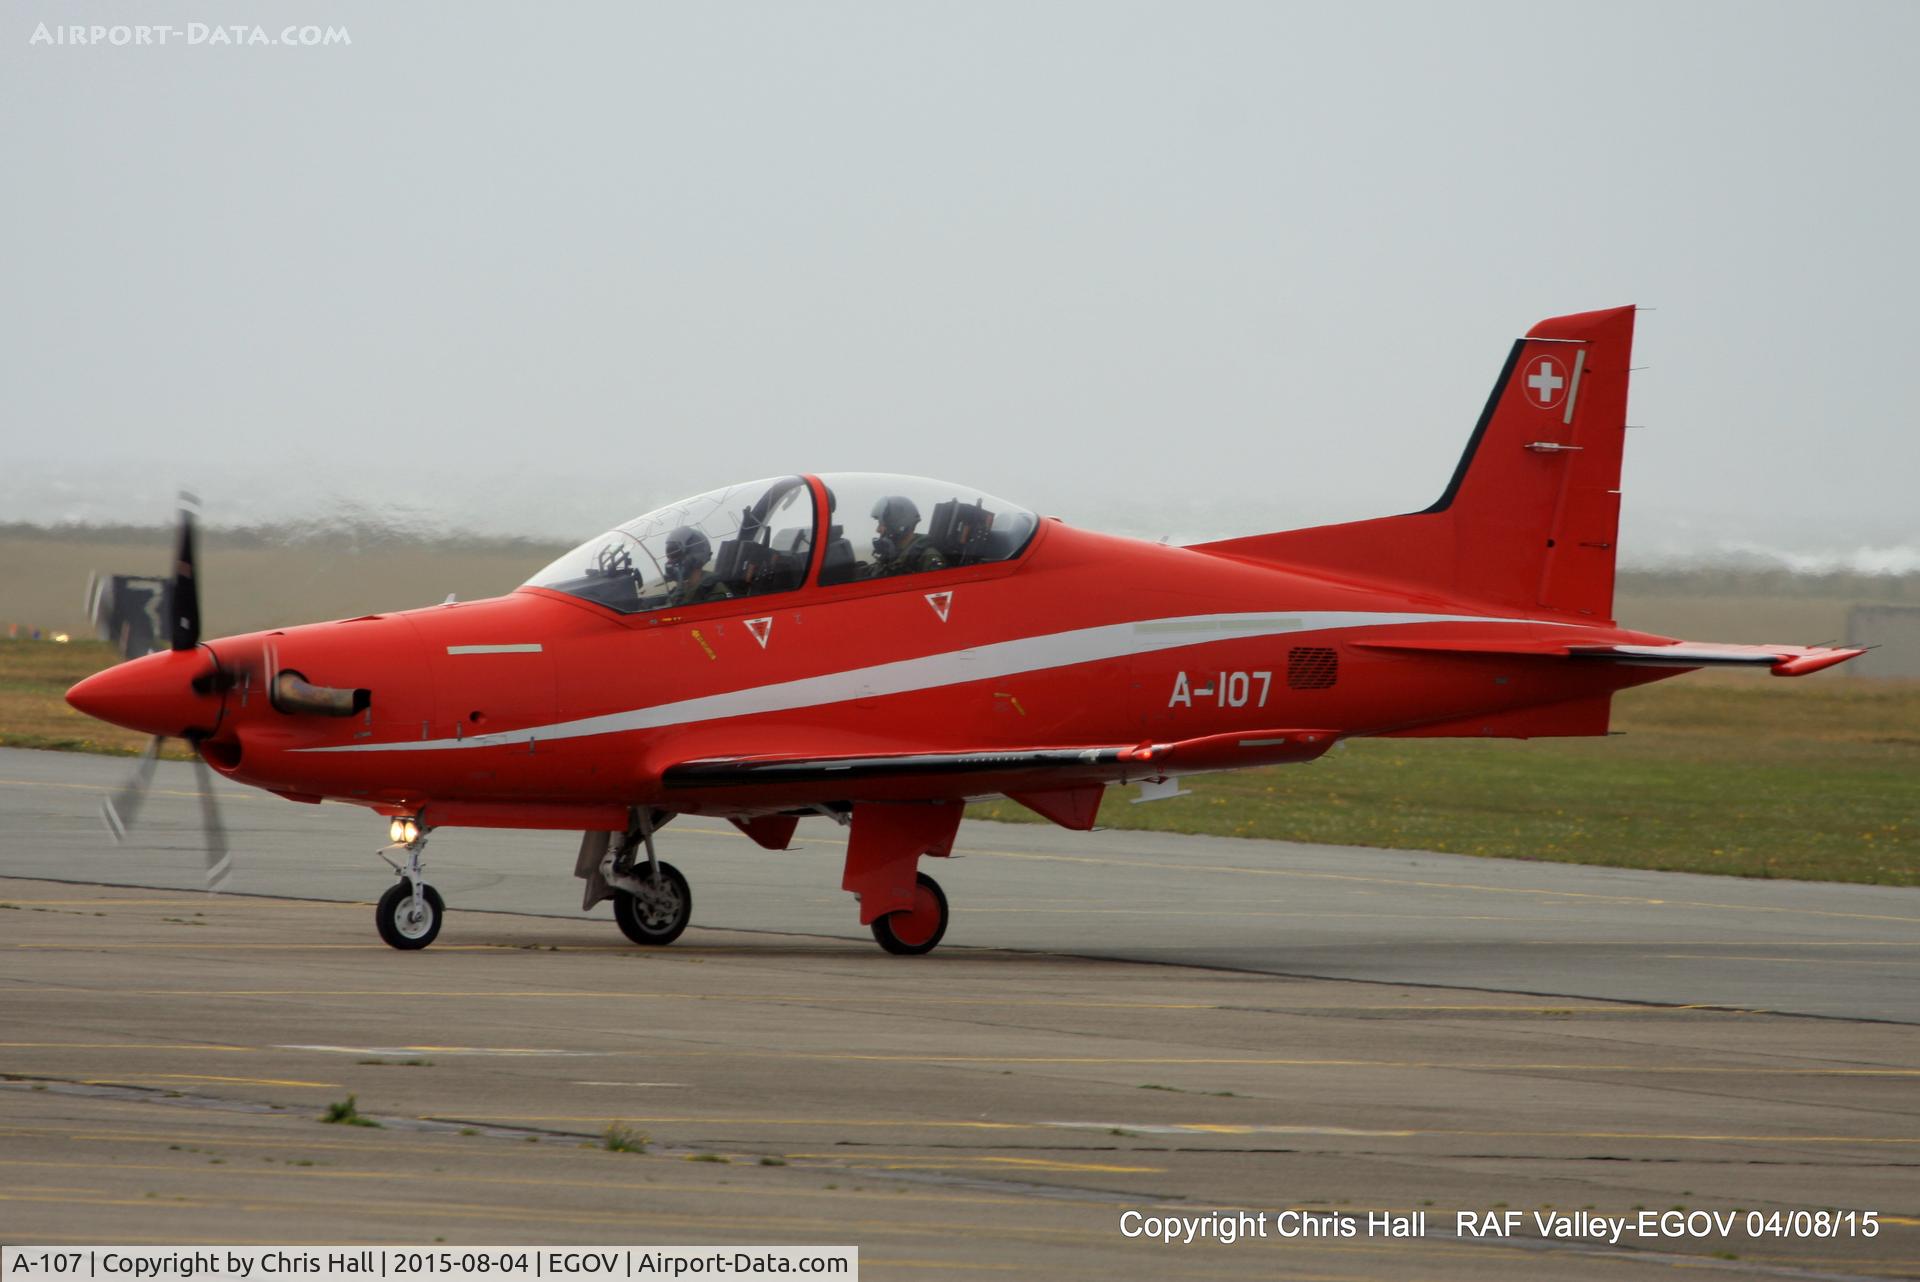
x,y
1112,762
1781,660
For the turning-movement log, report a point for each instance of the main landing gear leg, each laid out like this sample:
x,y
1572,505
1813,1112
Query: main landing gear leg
x,y
409,914
904,907
652,903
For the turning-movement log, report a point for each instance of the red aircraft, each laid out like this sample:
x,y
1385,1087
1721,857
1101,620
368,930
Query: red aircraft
x,y
880,649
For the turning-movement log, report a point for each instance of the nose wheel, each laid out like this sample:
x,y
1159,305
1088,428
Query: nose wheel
x,y
916,930
407,920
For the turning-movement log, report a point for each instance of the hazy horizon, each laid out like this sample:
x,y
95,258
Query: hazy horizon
x,y
1684,552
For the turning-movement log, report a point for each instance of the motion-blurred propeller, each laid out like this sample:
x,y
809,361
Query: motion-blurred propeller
x,y
122,809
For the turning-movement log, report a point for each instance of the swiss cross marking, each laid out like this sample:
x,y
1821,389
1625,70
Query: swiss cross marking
x,y
1547,379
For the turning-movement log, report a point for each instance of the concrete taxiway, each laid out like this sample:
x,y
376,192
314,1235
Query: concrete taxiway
x,y
1118,1021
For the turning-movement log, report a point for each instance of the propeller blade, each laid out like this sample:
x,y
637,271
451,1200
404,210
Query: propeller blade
x,y
121,809
185,604
219,857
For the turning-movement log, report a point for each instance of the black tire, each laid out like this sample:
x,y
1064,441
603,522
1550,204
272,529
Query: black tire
x,y
916,931
393,916
658,918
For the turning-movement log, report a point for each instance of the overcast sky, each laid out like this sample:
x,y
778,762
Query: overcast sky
x,y
1195,268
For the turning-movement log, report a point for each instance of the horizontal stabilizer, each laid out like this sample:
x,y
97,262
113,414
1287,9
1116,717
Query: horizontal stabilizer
x,y
1781,660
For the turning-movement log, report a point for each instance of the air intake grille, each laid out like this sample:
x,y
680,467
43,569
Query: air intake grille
x,y
1312,667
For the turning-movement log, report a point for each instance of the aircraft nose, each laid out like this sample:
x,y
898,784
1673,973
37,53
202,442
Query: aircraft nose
x,y
170,693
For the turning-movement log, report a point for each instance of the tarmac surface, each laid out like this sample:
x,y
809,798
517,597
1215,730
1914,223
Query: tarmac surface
x,y
1117,1022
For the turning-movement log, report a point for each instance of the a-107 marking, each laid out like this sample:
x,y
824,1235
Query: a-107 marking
x,y
1229,690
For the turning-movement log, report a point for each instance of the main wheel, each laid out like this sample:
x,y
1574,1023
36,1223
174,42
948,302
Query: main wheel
x,y
913,931
658,913
403,927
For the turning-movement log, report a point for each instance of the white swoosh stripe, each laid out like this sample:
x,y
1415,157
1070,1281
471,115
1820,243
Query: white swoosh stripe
x,y
955,667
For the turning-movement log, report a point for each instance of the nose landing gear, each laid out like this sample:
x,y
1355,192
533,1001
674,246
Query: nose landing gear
x,y
409,914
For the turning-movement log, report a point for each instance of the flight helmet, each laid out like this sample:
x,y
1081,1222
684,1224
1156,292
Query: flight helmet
x,y
687,550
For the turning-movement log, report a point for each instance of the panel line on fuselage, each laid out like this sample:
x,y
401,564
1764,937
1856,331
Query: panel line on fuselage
x,y
952,667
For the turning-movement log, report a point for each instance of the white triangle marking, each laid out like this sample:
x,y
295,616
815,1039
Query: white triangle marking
x,y
761,629
941,603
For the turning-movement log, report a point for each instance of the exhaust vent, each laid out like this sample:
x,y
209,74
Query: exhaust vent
x,y
1312,667
291,693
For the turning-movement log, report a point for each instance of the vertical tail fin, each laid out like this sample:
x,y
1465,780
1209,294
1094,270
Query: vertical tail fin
x,y
1530,519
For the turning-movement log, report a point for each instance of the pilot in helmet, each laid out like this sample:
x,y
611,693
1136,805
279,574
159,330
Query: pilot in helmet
x,y
897,548
688,552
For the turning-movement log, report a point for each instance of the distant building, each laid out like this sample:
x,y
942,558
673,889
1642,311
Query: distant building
x,y
130,610
1895,629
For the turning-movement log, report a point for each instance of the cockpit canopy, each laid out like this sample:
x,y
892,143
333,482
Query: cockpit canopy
x,y
757,538
880,525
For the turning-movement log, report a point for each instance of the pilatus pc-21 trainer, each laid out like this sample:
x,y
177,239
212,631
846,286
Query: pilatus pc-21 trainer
x,y
880,649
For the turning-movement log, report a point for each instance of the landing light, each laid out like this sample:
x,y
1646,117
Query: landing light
x,y
403,832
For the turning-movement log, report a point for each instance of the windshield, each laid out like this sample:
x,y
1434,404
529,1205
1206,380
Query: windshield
x,y
744,540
